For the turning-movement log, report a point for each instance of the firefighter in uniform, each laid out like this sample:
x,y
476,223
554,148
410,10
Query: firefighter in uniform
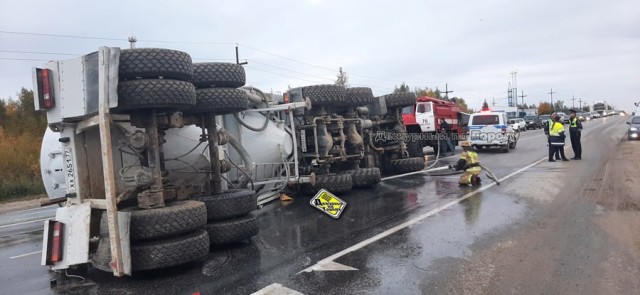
x,y
575,132
556,139
470,163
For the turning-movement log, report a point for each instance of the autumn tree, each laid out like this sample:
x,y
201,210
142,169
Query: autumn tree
x,y
462,104
545,108
343,79
403,88
21,131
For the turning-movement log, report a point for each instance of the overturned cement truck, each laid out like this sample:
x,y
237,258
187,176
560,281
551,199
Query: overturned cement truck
x,y
157,158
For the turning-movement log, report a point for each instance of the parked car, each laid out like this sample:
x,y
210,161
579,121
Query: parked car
x,y
563,117
518,124
634,128
586,116
545,120
532,122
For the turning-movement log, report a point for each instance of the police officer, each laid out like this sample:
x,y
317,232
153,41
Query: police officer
x,y
556,139
553,151
470,163
575,132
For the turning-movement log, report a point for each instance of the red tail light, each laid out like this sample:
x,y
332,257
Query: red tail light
x,y
56,247
54,233
46,95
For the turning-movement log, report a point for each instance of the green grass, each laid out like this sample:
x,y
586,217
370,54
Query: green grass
x,y
20,189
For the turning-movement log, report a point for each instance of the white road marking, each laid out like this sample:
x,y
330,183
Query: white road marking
x,y
24,255
332,266
414,220
21,223
276,289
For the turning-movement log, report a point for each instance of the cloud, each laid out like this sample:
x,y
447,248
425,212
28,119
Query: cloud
x,y
588,50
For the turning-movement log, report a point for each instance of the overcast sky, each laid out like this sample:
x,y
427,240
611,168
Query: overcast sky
x,y
584,49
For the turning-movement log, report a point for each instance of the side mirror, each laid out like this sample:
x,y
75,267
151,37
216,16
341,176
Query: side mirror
x,y
628,123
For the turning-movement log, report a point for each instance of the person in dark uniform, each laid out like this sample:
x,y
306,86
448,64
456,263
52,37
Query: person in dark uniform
x,y
445,128
575,132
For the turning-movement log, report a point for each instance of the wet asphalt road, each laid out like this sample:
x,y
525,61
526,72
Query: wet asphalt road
x,y
405,246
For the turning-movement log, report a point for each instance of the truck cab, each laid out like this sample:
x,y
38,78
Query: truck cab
x,y
424,117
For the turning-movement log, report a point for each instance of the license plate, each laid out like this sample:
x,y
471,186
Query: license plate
x,y
69,170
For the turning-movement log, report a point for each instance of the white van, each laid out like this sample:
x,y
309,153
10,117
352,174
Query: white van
x,y
490,129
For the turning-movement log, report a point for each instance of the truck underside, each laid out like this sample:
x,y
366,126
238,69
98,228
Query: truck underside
x,y
158,158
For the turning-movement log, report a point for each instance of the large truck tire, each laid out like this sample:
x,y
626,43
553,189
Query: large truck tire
x,y
155,63
173,219
220,101
155,94
365,177
358,96
170,252
232,230
334,183
218,74
401,99
325,95
232,203
406,165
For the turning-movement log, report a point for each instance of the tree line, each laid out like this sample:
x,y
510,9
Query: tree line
x,y
21,132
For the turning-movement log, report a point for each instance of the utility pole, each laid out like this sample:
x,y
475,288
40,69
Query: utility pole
x,y
580,101
493,104
522,96
515,85
553,108
573,102
132,42
446,91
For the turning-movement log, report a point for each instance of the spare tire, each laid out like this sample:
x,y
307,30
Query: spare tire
x,y
155,63
218,74
173,219
324,95
401,99
233,230
358,96
406,165
220,101
231,203
155,94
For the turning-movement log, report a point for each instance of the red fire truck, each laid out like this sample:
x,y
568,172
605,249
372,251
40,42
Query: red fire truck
x,y
422,122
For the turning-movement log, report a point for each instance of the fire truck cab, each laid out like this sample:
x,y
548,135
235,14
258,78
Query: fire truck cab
x,y
422,122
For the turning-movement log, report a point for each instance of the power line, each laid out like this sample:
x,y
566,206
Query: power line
x,y
31,59
38,52
284,69
62,36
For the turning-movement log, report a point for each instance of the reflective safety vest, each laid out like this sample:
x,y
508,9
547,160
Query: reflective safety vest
x,y
556,128
574,123
472,160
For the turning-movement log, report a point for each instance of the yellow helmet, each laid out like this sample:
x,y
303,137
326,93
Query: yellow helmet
x,y
465,144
